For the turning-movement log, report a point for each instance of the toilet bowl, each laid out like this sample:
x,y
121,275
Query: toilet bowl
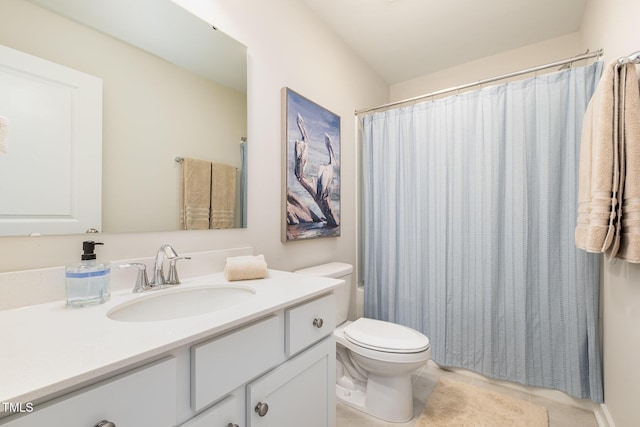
x,y
374,358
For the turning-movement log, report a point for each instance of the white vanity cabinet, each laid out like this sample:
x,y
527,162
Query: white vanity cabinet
x,y
281,392
143,397
300,392
276,368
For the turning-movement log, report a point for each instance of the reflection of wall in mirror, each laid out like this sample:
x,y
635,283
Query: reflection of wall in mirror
x,y
153,111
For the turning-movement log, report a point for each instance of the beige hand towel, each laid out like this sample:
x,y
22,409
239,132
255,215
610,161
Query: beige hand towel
x,y
223,196
599,173
630,166
245,267
195,200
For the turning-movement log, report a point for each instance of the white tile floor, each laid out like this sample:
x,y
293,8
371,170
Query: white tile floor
x,y
425,380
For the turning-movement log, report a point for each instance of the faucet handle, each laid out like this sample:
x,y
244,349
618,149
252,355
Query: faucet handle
x,y
173,272
142,281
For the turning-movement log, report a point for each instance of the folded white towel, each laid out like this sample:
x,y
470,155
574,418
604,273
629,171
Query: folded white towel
x,y
4,134
245,268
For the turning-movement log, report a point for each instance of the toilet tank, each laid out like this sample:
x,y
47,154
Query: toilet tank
x,y
335,270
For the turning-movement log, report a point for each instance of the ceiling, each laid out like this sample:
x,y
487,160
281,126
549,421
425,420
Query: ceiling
x,y
405,39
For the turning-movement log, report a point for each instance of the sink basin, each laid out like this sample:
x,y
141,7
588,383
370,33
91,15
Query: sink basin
x,y
168,304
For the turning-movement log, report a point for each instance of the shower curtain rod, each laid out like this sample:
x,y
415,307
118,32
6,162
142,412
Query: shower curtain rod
x,y
587,55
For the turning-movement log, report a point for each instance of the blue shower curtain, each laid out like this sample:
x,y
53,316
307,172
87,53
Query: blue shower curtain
x,y
469,210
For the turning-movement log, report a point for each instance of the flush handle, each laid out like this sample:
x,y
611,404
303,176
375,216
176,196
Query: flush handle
x,y
232,425
318,322
104,423
262,409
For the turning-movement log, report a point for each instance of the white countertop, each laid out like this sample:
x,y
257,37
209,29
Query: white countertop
x,y
48,348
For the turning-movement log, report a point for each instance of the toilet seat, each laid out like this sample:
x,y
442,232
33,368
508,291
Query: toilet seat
x,y
386,337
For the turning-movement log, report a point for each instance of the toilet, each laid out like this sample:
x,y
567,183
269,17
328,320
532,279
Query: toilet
x,y
374,358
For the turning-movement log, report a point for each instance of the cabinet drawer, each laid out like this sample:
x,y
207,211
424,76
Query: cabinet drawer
x,y
225,363
143,397
309,323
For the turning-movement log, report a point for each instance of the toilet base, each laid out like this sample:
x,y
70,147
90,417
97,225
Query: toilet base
x,y
387,398
353,398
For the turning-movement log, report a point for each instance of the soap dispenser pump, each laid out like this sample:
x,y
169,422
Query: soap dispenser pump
x,y
87,283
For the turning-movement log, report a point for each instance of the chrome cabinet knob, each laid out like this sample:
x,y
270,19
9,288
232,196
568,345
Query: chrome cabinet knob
x,y
262,409
318,322
104,423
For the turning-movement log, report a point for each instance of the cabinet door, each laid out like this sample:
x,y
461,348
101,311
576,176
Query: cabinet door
x,y
144,397
301,392
226,413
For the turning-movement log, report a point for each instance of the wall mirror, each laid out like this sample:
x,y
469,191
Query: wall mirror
x,y
172,87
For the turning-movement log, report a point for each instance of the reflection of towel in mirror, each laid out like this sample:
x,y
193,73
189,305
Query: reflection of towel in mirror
x,y
245,267
223,196
196,194
4,134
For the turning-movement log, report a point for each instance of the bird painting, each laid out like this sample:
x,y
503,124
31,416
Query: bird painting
x,y
301,150
313,190
325,171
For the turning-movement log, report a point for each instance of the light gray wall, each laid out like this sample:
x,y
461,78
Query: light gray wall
x,y
513,60
613,26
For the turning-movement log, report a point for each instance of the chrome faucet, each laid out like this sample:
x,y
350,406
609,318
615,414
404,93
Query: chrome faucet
x,y
142,282
165,251
158,281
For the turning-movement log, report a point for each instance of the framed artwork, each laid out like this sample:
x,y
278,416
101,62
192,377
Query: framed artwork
x,y
311,176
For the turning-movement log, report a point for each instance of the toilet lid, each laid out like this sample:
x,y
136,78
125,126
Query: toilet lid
x,y
385,336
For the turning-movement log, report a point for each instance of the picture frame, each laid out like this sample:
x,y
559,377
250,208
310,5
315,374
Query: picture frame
x,y
311,169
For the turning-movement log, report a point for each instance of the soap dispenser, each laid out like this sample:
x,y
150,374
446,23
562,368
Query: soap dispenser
x,y
87,283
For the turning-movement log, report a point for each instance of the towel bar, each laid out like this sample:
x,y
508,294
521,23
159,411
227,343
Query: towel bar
x,y
634,58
